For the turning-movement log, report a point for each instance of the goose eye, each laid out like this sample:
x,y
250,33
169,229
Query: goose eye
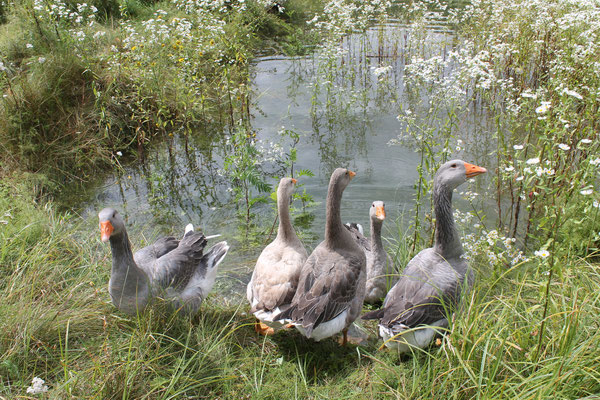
x,y
453,165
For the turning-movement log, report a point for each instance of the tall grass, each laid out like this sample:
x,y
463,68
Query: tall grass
x,y
81,82
57,323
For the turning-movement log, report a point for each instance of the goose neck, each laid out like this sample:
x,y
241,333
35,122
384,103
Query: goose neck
x,y
285,231
447,239
122,256
334,231
376,242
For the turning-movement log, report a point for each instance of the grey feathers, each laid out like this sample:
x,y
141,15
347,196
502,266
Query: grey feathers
x,y
177,270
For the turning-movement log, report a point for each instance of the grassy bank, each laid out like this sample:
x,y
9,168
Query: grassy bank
x,y
529,329
57,323
83,83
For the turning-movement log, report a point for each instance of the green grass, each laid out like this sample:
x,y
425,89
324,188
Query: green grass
x,y
57,323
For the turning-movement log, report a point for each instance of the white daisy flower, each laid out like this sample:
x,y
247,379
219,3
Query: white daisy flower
x,y
543,109
573,93
37,386
543,253
564,147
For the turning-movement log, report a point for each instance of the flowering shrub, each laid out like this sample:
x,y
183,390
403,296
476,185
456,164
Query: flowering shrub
x,y
492,250
152,70
533,66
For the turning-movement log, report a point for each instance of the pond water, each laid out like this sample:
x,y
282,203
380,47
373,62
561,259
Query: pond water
x,y
345,117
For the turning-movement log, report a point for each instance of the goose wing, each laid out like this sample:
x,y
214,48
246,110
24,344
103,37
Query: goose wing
x,y
146,256
358,236
426,292
328,284
175,268
275,277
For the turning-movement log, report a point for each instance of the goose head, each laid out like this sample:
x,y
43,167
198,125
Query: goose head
x,y
456,172
111,224
340,178
286,188
377,211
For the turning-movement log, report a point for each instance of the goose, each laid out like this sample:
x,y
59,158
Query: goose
x,y
275,277
379,263
174,269
331,287
418,305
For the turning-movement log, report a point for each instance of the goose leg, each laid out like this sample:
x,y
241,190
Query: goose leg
x,y
263,329
345,337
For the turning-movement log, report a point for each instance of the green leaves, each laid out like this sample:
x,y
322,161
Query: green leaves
x,y
305,172
243,167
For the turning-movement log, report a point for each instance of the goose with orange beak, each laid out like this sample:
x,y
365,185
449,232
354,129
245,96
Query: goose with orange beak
x,y
275,276
380,269
331,288
176,270
419,306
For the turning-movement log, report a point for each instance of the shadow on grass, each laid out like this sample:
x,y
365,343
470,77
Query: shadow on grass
x,y
319,361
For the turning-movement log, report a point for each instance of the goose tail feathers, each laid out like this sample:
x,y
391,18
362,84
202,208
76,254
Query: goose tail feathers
x,y
215,255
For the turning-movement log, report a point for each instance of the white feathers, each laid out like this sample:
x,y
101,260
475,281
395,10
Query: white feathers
x,y
188,228
326,329
408,338
213,258
360,229
358,226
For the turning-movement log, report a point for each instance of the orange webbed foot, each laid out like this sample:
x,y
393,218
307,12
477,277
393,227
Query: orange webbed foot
x,y
263,329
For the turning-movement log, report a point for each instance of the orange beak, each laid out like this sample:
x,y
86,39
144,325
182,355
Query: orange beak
x,y
474,170
352,174
294,180
380,212
106,229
